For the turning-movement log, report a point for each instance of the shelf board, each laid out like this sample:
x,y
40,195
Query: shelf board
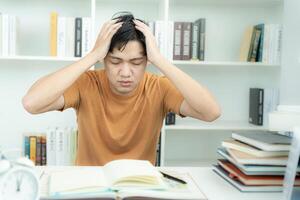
x,y
189,163
193,124
175,62
221,63
38,58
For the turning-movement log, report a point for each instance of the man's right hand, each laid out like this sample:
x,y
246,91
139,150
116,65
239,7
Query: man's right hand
x,y
103,41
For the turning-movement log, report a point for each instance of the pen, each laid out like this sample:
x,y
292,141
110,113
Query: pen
x,y
172,178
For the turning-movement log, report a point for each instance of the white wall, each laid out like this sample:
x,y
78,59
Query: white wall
x,y
15,80
290,72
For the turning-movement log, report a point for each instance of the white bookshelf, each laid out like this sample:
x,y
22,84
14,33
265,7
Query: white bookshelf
x,y
227,78
192,124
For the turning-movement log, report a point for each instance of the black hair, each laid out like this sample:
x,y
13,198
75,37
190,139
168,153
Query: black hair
x,y
127,32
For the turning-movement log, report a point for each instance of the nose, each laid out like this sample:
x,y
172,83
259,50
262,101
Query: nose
x,y
125,70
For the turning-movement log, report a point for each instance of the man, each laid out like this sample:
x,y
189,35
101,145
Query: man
x,y
120,109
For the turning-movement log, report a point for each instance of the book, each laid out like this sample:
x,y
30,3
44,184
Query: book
x,y
256,99
264,140
254,169
170,118
177,47
53,33
266,180
137,178
78,37
187,40
245,188
245,44
247,159
243,147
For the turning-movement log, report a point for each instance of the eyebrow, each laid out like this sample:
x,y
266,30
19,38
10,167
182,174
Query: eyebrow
x,y
133,59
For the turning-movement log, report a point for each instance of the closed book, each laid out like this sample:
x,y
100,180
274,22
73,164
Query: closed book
x,y
264,140
70,36
177,48
256,99
32,142
243,147
245,44
86,35
247,159
187,40
51,147
255,47
78,37
170,118
256,180
195,40
254,169
202,30
43,150
38,161
245,188
26,146
53,33
61,36
260,48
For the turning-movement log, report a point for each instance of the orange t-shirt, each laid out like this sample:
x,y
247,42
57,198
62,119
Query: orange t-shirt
x,y
112,126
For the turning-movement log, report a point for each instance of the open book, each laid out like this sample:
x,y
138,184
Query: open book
x,y
119,179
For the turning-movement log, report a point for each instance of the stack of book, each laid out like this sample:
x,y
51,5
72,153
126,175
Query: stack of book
x,y
255,161
70,36
185,41
262,43
8,34
55,147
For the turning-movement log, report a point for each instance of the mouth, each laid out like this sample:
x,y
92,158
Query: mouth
x,y
125,83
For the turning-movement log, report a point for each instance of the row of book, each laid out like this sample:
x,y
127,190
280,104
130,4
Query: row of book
x,y
8,26
262,101
262,43
255,161
183,41
70,36
55,147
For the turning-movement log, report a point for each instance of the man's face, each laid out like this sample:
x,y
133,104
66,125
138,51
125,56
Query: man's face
x,y
126,68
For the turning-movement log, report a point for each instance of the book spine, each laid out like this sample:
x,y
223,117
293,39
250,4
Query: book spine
x,y
78,36
86,35
171,40
260,27
26,146
43,150
195,40
53,34
59,147
187,37
51,147
177,41
70,37
158,152
201,49
32,141
61,36
266,44
260,107
253,57
38,161
251,44
170,118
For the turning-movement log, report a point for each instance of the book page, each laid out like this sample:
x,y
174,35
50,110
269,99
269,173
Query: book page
x,y
174,190
132,173
76,181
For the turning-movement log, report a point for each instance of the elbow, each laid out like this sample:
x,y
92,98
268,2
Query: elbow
x,y
28,105
214,114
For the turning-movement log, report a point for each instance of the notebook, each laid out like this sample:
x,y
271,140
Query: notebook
x,y
264,140
120,179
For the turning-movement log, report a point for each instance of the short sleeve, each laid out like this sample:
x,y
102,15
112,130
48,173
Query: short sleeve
x,y
72,95
172,98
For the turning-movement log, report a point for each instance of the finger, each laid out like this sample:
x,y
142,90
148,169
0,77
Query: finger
x,y
107,24
113,30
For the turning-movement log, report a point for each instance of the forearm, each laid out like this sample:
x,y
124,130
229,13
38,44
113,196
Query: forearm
x,y
195,94
47,89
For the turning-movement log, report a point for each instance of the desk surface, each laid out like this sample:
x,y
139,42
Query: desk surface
x,y
212,185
